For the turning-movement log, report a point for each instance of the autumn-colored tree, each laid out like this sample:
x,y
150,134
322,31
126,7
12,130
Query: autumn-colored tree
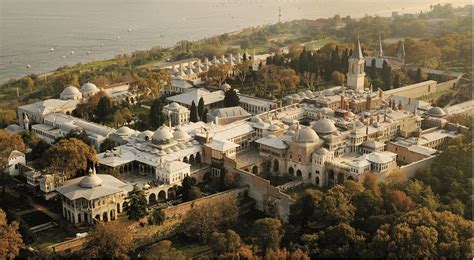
x,y
266,233
217,74
10,242
242,70
109,240
397,201
424,53
202,220
338,77
8,143
335,207
7,117
298,254
122,116
294,50
228,242
163,81
69,156
164,250
370,183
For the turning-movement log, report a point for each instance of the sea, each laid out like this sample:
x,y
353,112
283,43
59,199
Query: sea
x,y
37,36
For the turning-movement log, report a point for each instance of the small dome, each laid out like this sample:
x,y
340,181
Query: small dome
x,y
89,87
290,132
273,128
124,131
436,112
70,91
90,181
306,135
162,133
146,135
174,105
180,134
324,126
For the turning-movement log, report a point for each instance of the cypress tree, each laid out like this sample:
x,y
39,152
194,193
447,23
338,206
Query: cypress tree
x,y
396,81
193,117
201,109
155,116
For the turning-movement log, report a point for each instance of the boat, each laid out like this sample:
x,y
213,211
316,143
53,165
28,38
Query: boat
x,y
129,29
101,45
52,49
88,52
118,37
72,52
64,57
28,66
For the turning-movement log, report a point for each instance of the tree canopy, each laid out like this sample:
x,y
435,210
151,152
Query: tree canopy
x,y
109,240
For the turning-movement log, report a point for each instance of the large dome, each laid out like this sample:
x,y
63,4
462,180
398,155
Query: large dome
x,y
162,133
124,131
174,105
324,126
436,112
181,135
146,135
306,135
90,181
70,91
89,87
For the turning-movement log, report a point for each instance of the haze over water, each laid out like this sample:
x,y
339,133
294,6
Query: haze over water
x,y
105,28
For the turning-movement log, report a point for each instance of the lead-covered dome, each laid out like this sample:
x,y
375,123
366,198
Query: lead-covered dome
x,y
89,87
91,181
163,133
306,135
324,126
70,93
124,131
181,135
436,112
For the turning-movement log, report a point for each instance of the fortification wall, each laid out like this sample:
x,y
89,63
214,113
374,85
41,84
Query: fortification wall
x,y
410,169
269,199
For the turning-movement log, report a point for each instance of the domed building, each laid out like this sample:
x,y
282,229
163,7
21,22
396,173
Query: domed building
x,y
436,112
70,93
306,135
92,198
89,89
324,127
181,135
177,114
162,135
146,135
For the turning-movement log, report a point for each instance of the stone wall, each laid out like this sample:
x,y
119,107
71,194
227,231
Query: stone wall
x,y
410,169
422,89
178,212
269,199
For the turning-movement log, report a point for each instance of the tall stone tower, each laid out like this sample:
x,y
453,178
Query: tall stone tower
x,y
356,73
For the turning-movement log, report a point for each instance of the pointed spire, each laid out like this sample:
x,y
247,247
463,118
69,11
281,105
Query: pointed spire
x,y
380,50
357,54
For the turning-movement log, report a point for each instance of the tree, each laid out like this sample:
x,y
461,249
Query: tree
x,y
7,117
104,109
420,75
107,144
266,233
397,201
121,117
109,240
200,109
217,74
231,99
187,184
228,242
193,117
335,207
157,217
194,193
38,149
338,77
137,205
69,156
386,75
370,183
202,220
423,53
8,143
11,241
396,81
242,70
155,116
164,250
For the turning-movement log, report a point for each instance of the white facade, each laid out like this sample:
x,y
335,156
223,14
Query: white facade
x,y
14,160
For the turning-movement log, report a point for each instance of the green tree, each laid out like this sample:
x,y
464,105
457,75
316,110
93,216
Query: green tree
x,y
334,208
155,115
194,193
266,233
338,77
137,205
187,185
231,99
228,242
107,144
111,240
396,81
157,217
200,109
193,116
104,109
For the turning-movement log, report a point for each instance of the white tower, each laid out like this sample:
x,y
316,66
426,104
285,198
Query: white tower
x,y
356,74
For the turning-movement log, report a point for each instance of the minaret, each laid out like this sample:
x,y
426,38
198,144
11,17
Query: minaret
x,y
401,52
206,64
379,52
356,74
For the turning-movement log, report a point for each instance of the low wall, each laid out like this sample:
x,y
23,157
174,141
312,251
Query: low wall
x,y
410,169
290,185
269,199
422,89
72,245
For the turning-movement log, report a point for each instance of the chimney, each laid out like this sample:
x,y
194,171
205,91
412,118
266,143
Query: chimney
x,y
342,102
409,101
